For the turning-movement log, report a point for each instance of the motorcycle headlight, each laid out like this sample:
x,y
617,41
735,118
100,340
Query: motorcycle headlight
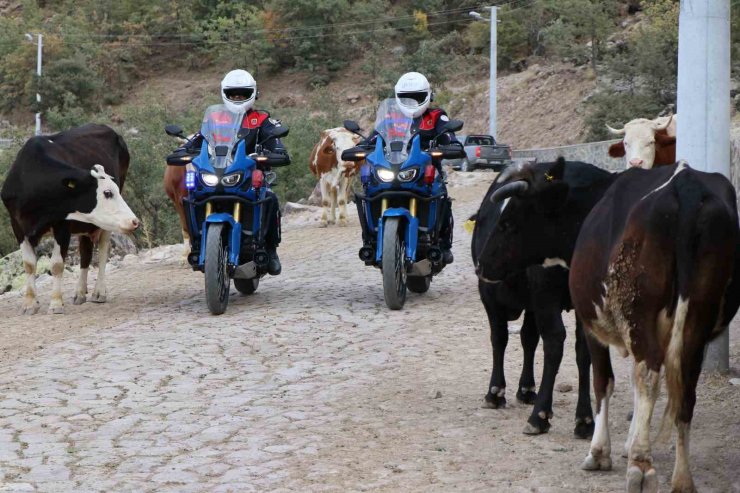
x,y
408,174
231,179
209,179
385,175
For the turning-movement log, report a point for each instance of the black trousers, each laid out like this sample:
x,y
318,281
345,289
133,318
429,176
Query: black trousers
x,y
272,218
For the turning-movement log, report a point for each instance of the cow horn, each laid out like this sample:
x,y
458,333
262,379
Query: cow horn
x,y
614,131
509,190
657,126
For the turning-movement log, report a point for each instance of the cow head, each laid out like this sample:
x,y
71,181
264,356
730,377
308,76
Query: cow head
x,y
100,202
645,143
532,198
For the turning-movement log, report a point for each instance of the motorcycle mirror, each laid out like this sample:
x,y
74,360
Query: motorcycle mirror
x,y
221,151
277,132
352,126
454,126
173,130
270,177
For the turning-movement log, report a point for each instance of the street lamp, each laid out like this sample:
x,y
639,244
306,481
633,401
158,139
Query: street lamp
x,y
40,44
492,79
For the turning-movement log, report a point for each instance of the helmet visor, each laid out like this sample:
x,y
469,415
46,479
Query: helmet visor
x,y
237,94
418,96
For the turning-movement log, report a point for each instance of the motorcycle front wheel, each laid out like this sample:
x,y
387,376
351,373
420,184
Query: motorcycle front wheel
x,y
217,277
393,265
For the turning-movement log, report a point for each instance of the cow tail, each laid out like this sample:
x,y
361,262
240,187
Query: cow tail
x,y
689,193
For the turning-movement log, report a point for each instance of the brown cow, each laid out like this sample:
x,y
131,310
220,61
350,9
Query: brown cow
x,y
655,274
335,176
646,143
174,186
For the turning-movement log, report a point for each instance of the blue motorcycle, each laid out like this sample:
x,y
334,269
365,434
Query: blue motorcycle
x,y
226,205
403,203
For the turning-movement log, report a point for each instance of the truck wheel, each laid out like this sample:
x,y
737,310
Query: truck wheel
x,y
466,166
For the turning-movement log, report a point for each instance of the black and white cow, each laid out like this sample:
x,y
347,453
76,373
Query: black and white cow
x,y
656,274
525,233
68,183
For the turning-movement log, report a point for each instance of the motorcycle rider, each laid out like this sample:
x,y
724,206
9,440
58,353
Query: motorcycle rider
x,y
414,96
239,92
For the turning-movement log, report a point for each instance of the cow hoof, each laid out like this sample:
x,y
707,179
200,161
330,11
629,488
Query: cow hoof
x,y
79,299
56,310
536,426
584,428
342,223
526,396
492,401
598,463
98,298
323,224
30,309
641,482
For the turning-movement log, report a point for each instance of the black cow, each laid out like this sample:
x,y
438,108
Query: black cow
x,y
656,273
66,184
524,238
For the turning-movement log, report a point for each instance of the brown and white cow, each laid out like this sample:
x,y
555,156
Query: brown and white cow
x,y
646,143
68,183
656,274
335,176
174,187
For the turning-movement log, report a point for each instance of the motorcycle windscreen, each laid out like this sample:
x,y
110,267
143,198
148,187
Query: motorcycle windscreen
x,y
220,128
395,129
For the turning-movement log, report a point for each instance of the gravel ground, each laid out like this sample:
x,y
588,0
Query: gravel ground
x,y
310,384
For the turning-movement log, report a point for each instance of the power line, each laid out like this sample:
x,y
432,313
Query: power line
x,y
280,39
448,12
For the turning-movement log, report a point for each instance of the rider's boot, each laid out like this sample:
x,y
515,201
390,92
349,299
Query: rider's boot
x,y
273,265
447,256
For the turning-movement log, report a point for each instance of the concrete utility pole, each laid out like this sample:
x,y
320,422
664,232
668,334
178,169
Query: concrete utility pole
x,y
493,62
703,133
39,50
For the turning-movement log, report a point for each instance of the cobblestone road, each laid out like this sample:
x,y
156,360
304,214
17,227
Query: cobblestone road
x,y
311,384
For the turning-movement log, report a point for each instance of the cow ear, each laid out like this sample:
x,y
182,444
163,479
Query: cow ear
x,y
557,171
617,149
664,139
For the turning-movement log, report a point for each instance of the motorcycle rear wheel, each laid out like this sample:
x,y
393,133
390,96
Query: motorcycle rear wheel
x,y
247,286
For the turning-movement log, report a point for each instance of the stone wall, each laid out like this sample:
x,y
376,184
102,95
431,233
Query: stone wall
x,y
595,153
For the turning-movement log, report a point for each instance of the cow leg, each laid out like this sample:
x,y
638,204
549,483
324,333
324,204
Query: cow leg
x,y
100,293
325,199
333,198
342,200
584,416
599,457
86,251
61,244
530,338
30,303
631,434
180,208
552,331
641,476
496,394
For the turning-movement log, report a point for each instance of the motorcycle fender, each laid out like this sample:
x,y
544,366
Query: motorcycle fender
x,y
235,233
412,232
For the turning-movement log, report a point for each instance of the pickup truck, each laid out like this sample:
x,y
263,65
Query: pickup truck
x,y
481,151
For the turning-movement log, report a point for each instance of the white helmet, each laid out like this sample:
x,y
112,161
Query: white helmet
x,y
239,90
413,94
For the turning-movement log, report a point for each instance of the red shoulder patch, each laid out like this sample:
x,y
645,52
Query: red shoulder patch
x,y
254,119
429,119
